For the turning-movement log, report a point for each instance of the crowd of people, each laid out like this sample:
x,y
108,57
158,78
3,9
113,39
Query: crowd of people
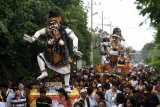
x,y
95,90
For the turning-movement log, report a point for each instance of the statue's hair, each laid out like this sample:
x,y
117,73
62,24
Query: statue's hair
x,y
53,14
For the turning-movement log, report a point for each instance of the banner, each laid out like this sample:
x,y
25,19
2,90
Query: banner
x,y
53,94
32,98
108,68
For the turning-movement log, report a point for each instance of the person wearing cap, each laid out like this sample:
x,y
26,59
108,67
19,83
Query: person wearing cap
x,y
56,55
43,100
83,97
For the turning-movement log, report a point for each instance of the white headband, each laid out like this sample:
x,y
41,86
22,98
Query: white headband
x,y
83,90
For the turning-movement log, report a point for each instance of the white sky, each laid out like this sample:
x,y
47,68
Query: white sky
x,y
122,14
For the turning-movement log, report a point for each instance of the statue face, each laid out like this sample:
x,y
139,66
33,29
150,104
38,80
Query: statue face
x,y
118,33
115,38
54,26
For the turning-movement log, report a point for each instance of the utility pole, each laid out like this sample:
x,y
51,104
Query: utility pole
x,y
92,34
110,27
102,24
91,57
91,15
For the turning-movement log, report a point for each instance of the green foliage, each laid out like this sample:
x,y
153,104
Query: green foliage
x,y
76,20
64,3
157,37
97,39
17,57
145,52
96,57
150,8
155,55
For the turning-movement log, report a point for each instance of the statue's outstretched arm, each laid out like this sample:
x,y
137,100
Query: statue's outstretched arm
x,y
73,37
75,41
35,36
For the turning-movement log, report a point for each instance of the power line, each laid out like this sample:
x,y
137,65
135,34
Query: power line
x,y
127,27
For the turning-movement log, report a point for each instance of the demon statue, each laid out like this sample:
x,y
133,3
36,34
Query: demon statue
x,y
112,47
56,54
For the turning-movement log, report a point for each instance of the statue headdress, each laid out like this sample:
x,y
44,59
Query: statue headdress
x,y
54,16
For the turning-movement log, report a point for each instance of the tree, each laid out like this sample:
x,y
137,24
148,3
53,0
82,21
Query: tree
x,y
77,21
18,58
145,52
155,55
149,8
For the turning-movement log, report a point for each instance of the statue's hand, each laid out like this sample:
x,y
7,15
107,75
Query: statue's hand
x,y
27,38
100,45
78,53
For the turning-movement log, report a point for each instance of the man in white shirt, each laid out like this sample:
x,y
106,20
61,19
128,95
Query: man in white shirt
x,y
83,98
1,102
7,96
111,94
134,81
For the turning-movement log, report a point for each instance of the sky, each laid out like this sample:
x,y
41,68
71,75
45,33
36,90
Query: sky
x,y
122,14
